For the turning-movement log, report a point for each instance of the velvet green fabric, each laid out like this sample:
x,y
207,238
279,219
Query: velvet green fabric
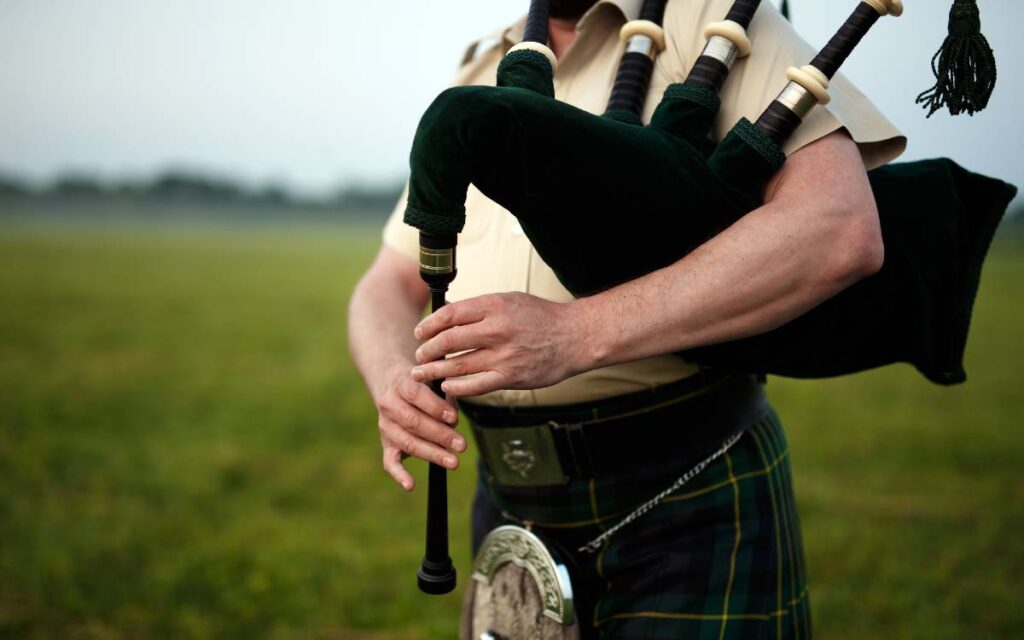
x,y
937,220
501,140
605,200
529,70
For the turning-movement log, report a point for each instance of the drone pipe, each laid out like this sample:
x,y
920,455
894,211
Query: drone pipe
x,y
808,86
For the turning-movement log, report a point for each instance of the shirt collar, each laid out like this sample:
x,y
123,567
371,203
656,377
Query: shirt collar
x,y
630,10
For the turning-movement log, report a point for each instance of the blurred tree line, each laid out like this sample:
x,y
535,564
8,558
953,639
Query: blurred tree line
x,y
191,190
184,191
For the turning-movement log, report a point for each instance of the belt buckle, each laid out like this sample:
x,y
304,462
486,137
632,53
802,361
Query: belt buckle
x,y
521,456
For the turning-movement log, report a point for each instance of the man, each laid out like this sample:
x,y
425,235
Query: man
x,y
724,558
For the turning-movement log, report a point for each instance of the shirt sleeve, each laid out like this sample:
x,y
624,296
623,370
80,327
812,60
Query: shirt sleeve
x,y
399,236
757,80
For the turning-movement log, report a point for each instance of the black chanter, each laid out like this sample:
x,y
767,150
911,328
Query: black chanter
x,y
436,574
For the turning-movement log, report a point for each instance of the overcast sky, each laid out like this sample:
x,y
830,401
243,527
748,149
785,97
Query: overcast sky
x,y
314,93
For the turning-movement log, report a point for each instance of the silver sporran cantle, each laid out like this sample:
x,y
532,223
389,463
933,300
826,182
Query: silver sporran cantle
x,y
520,589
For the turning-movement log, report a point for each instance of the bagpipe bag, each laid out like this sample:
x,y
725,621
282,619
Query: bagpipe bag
x,y
605,200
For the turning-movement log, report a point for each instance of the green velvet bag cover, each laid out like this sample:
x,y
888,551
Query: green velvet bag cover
x,y
937,221
605,200
500,140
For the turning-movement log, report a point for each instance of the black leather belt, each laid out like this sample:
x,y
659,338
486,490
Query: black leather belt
x,y
543,446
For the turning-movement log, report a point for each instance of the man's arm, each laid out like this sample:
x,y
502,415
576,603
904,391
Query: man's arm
x,y
816,234
385,306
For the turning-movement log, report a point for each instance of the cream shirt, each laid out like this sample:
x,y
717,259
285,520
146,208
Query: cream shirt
x,y
495,255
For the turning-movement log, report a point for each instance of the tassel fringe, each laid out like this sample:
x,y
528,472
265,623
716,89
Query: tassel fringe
x,y
964,67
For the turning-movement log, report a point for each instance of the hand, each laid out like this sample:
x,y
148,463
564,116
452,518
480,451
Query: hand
x,y
512,340
414,421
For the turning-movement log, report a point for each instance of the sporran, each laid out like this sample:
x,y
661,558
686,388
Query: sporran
x,y
520,589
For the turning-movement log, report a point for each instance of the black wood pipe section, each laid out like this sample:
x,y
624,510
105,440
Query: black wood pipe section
x,y
537,22
631,83
779,122
436,574
846,40
712,73
709,73
742,12
634,75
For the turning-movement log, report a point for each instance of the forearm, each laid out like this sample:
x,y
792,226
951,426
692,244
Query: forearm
x,y
771,266
384,308
412,420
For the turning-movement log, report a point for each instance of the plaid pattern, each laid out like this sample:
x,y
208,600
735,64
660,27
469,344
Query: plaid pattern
x,y
722,558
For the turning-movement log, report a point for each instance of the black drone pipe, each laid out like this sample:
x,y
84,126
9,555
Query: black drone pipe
x,y
537,22
742,12
712,67
786,113
629,91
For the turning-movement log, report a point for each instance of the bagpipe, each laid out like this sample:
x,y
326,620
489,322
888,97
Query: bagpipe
x,y
648,195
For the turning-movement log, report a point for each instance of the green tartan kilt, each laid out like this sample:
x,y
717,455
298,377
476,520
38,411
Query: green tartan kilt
x,y
721,558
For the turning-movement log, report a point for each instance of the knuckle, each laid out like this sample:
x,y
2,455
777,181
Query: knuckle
x,y
411,390
459,367
445,341
501,326
435,437
408,388
411,419
387,407
408,444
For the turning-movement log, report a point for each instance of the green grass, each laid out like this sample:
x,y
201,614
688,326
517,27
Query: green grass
x,y
187,452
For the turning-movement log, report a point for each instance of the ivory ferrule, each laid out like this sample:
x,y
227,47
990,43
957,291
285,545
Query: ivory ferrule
x,y
812,79
732,32
643,28
886,7
541,49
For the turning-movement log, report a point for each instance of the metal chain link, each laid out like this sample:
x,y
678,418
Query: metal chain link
x,y
595,545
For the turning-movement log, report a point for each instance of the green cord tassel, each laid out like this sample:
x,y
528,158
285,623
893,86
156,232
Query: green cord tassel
x,y
964,67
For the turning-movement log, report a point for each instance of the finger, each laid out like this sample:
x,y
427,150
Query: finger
x,y
466,364
411,419
441,434
423,398
478,335
417,447
477,385
393,465
451,315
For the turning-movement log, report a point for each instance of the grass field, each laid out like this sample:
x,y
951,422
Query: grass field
x,y
187,452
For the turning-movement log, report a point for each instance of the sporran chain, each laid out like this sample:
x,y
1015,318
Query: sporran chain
x,y
595,545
